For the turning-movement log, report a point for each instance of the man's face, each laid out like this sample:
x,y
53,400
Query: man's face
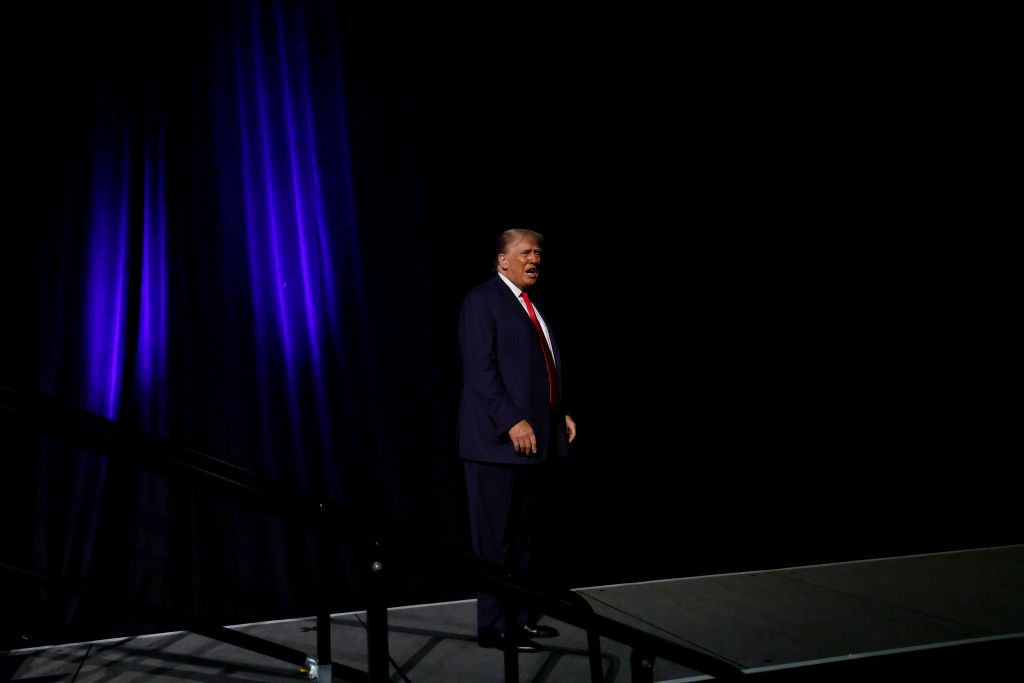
x,y
520,262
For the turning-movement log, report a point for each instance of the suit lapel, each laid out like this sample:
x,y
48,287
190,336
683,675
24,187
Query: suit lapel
x,y
512,301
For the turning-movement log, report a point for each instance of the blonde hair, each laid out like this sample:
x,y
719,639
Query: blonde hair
x,y
514,235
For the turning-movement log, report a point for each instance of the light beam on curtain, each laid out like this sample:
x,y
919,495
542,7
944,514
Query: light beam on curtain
x,y
127,216
103,347
113,228
290,234
214,236
289,228
107,266
151,362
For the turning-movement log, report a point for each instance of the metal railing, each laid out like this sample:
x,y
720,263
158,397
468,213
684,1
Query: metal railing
x,y
331,522
383,543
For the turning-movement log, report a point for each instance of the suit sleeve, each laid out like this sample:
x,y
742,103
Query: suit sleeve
x,y
478,339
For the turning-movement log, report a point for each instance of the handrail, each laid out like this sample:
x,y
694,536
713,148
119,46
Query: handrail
x,y
83,588
341,521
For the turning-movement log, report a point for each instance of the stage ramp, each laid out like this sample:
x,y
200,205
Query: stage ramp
x,y
943,616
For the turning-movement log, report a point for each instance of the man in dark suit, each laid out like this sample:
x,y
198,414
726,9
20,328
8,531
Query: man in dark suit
x,y
512,423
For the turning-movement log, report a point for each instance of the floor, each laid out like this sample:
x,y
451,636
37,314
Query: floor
x,y
957,614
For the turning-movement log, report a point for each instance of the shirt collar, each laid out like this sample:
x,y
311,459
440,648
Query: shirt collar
x,y
515,290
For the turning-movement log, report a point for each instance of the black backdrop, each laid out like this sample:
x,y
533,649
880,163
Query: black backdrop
x,y
775,267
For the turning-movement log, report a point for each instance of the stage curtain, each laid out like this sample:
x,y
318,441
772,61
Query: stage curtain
x,y
192,265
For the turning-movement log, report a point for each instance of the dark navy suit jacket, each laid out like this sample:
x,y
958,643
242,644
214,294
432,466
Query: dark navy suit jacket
x,y
504,379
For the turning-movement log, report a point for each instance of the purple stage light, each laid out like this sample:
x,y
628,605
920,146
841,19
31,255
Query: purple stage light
x,y
107,267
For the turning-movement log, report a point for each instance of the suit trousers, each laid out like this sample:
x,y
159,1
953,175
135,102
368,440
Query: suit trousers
x,y
507,507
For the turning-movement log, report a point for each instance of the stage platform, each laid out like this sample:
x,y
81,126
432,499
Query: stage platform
x,y
950,616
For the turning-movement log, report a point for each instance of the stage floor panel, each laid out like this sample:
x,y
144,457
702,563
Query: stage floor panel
x,y
772,621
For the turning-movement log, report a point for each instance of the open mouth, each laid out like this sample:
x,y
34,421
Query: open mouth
x,y
532,271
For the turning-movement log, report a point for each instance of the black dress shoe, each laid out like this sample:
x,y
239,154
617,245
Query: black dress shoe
x,y
497,640
539,631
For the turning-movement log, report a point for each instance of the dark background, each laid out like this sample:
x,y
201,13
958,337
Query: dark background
x,y
774,258
776,268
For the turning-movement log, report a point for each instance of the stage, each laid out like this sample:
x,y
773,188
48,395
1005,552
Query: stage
x,y
959,614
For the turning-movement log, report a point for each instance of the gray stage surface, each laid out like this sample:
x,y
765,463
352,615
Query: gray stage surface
x,y
958,614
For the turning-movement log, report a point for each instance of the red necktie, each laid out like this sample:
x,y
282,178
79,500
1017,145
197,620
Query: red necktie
x,y
549,361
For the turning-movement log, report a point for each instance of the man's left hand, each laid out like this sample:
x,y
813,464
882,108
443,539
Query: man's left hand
x,y
570,428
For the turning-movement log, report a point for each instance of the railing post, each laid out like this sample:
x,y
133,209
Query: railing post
x,y
511,643
377,618
594,654
321,667
593,637
641,666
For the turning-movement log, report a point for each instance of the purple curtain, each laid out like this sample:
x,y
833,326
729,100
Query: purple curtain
x,y
200,277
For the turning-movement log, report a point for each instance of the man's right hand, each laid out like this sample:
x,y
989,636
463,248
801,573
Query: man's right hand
x,y
523,438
